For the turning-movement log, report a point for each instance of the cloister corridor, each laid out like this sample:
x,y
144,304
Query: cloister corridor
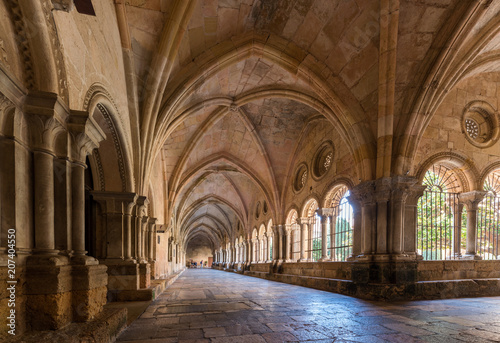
x,y
206,305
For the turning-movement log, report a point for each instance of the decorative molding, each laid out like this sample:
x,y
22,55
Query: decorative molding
x,y
116,142
22,43
57,50
100,170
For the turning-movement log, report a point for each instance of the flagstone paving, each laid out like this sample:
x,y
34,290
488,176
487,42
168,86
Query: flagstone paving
x,y
206,305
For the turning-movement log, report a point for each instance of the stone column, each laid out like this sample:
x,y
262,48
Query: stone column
x,y
471,201
288,246
410,220
280,234
85,136
304,228
324,213
356,234
382,197
402,186
364,195
268,250
457,232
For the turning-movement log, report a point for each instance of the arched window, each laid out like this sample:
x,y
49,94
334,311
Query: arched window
x,y
440,216
488,223
255,258
295,234
313,238
270,239
262,243
340,236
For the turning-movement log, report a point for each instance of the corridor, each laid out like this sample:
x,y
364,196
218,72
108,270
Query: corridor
x,y
206,305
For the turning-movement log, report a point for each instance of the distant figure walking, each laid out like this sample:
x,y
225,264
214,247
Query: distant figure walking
x,y
201,264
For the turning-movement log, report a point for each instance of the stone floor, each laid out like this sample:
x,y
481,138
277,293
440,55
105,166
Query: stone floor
x,y
206,305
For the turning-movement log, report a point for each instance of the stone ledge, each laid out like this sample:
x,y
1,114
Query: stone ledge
x,y
103,329
145,294
422,290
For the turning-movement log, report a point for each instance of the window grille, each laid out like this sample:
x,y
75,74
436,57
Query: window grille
x,y
296,242
341,237
314,247
440,216
488,224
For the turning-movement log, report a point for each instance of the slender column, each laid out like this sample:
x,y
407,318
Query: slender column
x,y
268,250
279,252
471,201
324,213
85,136
78,209
457,232
288,246
304,228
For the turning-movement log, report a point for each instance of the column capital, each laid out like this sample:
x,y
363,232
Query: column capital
x,y
304,220
46,113
364,193
471,199
115,202
85,135
325,212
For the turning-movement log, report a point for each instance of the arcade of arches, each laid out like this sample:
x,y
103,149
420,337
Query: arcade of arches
x,y
350,146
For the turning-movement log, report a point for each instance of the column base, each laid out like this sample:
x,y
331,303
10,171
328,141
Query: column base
x,y
89,291
145,275
48,292
471,257
324,259
84,260
303,260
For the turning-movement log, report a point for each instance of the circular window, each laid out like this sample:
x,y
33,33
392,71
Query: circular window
x,y
257,210
480,124
323,159
300,177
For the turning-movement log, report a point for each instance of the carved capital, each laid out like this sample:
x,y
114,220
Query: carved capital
x,y
364,193
325,212
45,113
115,202
471,199
85,135
140,208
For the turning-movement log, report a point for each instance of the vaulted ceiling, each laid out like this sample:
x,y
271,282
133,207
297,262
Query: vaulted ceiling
x,y
247,77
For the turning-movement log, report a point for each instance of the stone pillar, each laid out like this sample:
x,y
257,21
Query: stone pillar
x,y
471,201
324,213
356,230
410,220
364,195
48,288
288,246
123,271
304,228
382,197
401,187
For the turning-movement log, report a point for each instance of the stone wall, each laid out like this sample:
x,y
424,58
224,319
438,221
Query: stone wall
x,y
197,252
